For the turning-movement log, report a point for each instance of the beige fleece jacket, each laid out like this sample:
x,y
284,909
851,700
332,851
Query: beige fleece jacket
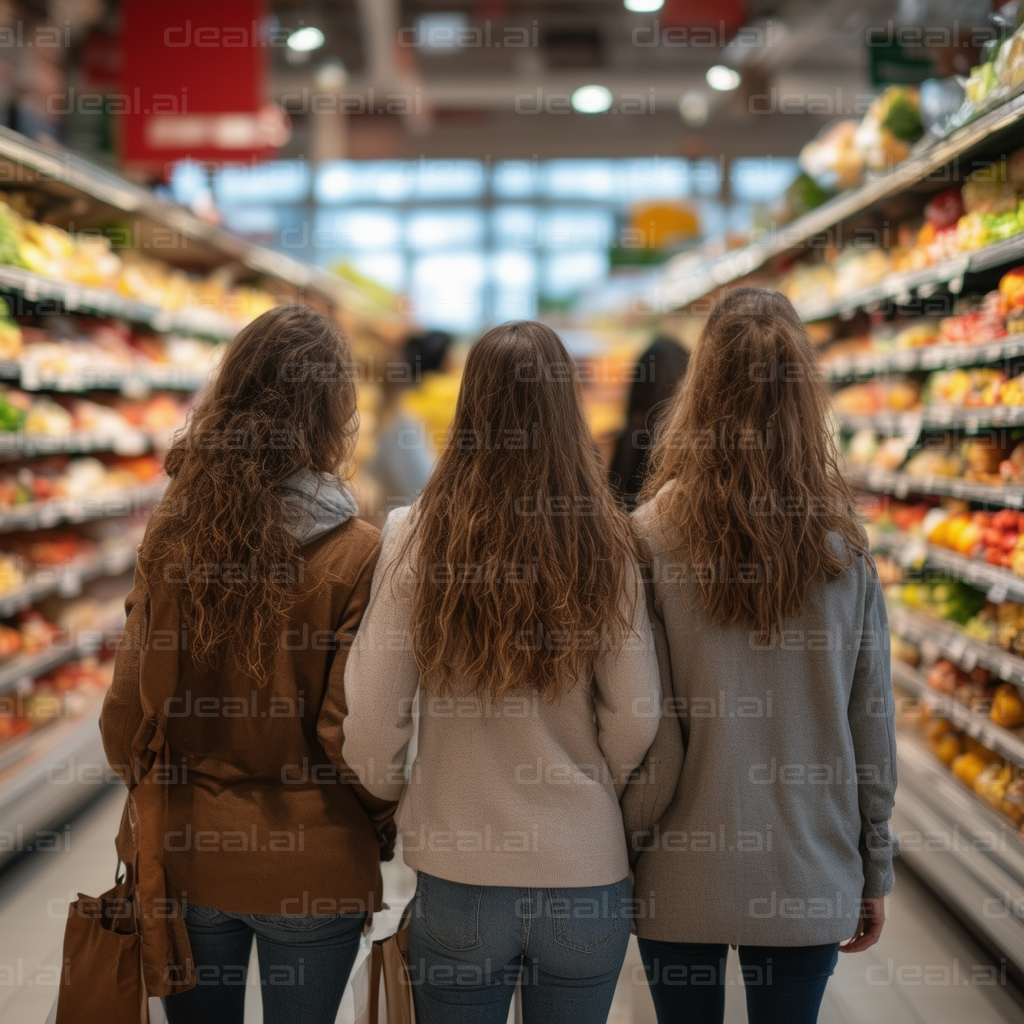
x,y
510,792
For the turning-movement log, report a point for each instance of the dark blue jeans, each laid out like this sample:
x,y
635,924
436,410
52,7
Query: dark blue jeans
x,y
469,943
784,984
305,961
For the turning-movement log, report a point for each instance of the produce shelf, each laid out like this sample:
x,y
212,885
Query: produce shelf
x,y
127,442
678,285
102,300
940,639
999,583
44,777
128,382
966,851
899,484
899,287
64,172
102,505
66,580
925,357
937,417
980,726
20,670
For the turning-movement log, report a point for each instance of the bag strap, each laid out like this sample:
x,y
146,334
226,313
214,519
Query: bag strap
x,y
376,973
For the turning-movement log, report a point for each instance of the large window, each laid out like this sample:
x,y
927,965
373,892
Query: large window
x,y
471,242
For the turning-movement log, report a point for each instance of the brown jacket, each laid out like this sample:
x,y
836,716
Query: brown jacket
x,y
263,817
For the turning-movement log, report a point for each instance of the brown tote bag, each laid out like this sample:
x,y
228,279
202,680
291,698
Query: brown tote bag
x,y
131,943
390,957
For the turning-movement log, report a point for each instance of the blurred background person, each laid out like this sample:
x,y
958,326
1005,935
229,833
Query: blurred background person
x,y
656,377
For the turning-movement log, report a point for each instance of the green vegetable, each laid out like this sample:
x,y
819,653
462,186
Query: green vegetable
x,y
11,417
903,118
9,255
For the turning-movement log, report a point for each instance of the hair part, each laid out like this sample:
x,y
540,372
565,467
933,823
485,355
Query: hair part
x,y
283,399
745,480
522,556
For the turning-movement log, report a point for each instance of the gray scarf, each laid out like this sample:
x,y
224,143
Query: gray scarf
x,y
314,504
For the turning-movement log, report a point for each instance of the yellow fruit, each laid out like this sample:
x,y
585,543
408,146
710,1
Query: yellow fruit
x,y
967,768
1007,706
949,747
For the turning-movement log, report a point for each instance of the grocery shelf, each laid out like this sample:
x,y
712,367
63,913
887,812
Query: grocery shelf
x,y
999,583
20,670
899,287
899,484
45,776
678,285
924,357
101,505
104,300
66,580
59,168
940,639
963,848
130,382
975,724
126,442
935,417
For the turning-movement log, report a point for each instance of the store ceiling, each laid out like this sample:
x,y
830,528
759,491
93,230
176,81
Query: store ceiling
x,y
481,99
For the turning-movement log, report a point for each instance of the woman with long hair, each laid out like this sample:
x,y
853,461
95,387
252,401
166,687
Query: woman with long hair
x,y
776,837
509,596
252,579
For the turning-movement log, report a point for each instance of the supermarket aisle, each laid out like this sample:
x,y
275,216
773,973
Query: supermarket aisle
x,y
920,973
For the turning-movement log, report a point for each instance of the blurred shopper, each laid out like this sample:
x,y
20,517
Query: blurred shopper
x,y
509,595
776,838
256,557
405,457
656,377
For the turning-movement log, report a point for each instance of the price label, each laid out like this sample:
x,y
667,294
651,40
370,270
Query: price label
x,y
912,554
929,651
969,659
1008,667
997,592
901,487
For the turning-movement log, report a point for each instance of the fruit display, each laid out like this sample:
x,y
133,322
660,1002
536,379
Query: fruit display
x,y
65,693
946,599
878,396
987,208
841,154
88,348
90,259
63,477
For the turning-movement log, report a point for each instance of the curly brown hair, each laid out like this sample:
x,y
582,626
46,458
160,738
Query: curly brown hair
x,y
745,476
283,399
523,555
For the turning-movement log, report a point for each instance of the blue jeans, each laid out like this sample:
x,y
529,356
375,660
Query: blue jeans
x,y
305,961
784,984
469,943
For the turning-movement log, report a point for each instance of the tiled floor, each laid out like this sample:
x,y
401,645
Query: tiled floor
x,y
865,989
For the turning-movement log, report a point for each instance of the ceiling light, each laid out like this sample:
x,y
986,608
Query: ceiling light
x,y
302,40
693,108
591,99
644,6
722,79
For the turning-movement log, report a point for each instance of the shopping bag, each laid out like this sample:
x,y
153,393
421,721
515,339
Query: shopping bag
x,y
102,976
388,961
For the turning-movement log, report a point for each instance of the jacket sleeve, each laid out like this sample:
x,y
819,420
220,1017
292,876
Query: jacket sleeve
x,y
871,715
122,712
627,691
333,710
382,677
653,785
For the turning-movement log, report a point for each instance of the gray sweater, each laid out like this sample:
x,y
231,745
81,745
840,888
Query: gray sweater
x,y
501,792
775,823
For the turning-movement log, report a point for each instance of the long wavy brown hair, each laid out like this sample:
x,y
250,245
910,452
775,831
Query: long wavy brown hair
x,y
282,399
523,558
745,475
